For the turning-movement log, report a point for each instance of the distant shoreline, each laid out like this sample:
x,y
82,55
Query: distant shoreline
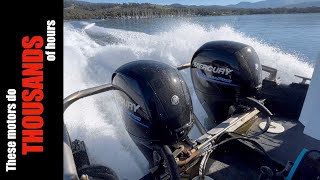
x,y
69,20
76,10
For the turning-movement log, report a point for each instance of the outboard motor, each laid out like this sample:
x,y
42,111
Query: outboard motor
x,y
155,105
222,72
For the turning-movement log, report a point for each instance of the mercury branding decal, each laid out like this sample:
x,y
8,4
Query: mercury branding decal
x,y
216,70
219,80
136,119
130,105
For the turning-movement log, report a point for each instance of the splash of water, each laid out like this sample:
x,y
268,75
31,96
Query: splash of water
x,y
92,54
89,26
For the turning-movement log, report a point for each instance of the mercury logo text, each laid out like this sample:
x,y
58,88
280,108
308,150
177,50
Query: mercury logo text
x,y
216,70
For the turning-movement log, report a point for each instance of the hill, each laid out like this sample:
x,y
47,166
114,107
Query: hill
x,y
273,4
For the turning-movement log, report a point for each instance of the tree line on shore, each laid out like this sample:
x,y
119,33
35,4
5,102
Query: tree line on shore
x,y
76,10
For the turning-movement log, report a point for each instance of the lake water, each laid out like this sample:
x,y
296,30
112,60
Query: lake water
x,y
94,49
294,33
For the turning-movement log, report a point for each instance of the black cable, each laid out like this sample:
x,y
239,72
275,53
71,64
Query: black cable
x,y
264,110
253,103
170,161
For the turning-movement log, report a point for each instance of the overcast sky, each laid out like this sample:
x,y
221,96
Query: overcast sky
x,y
186,2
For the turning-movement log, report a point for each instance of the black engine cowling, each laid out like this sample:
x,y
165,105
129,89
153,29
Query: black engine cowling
x,y
154,102
223,71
